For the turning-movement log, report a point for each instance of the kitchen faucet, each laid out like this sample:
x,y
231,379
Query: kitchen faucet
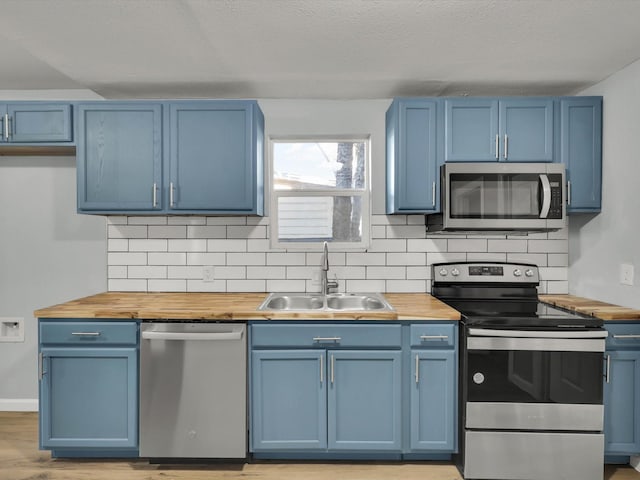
x,y
326,284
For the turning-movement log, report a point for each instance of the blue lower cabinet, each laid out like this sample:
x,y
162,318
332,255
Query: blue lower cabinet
x,y
622,403
364,407
433,400
89,388
289,400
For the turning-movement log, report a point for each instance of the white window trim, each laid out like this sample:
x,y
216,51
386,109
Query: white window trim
x,y
365,194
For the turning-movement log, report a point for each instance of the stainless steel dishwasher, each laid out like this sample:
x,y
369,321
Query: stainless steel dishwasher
x,y
193,390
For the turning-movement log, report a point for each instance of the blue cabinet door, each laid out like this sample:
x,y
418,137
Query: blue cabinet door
x,y
364,400
213,166
471,130
581,151
433,400
289,400
119,157
88,398
526,130
412,165
35,122
622,403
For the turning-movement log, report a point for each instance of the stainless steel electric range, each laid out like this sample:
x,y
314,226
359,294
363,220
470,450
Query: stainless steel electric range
x,y
531,398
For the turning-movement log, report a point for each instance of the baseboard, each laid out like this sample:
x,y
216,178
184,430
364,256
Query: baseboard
x,y
18,404
635,462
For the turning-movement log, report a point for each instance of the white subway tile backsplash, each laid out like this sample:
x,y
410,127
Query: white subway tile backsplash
x,y
384,273
467,245
146,271
147,245
268,273
169,253
189,245
206,231
127,231
150,220
388,245
167,231
118,245
206,258
173,258
408,286
122,258
407,258
167,285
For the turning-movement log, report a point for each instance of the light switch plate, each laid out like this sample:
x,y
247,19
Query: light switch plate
x,y
626,274
11,329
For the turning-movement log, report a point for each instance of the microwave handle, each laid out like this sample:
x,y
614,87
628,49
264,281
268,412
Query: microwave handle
x,y
546,196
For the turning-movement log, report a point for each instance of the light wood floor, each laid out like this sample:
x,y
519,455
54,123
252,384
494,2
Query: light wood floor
x,y
20,459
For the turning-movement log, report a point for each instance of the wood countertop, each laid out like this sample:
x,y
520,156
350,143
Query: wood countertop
x,y
233,307
594,308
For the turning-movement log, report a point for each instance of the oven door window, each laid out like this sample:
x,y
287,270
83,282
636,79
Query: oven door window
x,y
524,376
493,196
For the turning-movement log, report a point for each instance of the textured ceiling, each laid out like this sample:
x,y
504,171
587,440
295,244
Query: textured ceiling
x,y
315,48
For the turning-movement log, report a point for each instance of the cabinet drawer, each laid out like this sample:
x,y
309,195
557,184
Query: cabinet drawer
x,y
88,333
326,335
623,335
433,335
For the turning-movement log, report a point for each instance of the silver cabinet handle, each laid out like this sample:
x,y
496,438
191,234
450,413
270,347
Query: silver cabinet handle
x,y
171,202
332,369
627,336
434,337
327,339
6,126
607,369
41,371
506,146
155,195
568,192
86,334
497,147
321,368
417,369
433,194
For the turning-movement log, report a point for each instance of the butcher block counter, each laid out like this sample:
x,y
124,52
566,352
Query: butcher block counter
x,y
594,308
233,306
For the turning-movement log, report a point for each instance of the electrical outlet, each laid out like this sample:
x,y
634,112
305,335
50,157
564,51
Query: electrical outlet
x,y
626,274
315,278
208,273
11,329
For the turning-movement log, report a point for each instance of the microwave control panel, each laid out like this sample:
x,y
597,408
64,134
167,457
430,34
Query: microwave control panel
x,y
555,181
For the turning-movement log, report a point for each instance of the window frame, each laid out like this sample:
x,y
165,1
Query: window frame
x,y
364,193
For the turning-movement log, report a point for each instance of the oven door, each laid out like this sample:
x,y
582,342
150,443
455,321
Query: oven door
x,y
538,380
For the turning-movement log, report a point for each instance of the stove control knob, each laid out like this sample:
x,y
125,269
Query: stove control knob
x,y
455,272
517,272
528,272
443,272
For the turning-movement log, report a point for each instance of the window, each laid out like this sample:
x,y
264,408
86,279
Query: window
x,y
320,192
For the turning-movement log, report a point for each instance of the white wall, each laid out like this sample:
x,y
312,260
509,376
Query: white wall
x,y
48,253
599,244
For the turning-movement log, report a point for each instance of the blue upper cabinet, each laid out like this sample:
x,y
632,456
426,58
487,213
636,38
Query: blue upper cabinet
x,y
119,157
471,130
191,157
485,130
216,157
581,151
412,159
35,123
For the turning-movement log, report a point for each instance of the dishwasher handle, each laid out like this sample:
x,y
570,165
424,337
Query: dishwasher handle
x,y
150,335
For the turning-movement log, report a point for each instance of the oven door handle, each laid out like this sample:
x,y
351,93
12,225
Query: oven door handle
x,y
483,332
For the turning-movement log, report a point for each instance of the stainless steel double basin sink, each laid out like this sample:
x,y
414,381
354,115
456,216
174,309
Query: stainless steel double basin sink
x,y
331,302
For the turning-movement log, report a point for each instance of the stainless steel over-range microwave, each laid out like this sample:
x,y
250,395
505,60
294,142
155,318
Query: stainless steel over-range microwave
x,y
503,197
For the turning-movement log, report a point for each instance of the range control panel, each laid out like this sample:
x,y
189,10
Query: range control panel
x,y
474,272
